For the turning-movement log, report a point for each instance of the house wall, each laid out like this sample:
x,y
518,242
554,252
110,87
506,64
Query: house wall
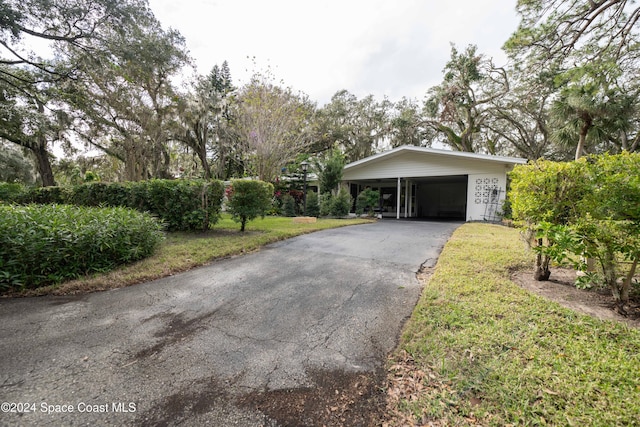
x,y
485,196
486,180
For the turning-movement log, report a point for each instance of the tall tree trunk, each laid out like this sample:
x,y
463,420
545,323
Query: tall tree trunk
x,y
202,155
42,156
221,164
135,164
165,170
580,147
44,165
582,140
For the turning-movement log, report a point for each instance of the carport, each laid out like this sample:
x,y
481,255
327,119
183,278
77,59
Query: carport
x,y
418,182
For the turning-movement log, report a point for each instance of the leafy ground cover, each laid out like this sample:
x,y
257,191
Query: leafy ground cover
x,y
184,250
48,244
480,350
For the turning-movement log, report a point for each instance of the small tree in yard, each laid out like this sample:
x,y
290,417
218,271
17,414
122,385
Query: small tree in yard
x,y
544,196
248,200
313,206
610,226
288,205
341,203
368,200
324,203
584,209
330,173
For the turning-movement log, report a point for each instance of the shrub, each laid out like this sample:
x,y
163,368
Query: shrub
x,y
248,200
297,195
96,194
543,194
313,208
325,202
341,203
45,244
288,205
367,200
587,209
184,204
13,192
48,195
180,204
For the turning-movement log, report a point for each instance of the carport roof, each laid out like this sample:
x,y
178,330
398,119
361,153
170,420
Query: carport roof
x,y
437,152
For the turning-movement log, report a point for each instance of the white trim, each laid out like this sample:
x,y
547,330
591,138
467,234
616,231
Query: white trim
x,y
406,198
425,150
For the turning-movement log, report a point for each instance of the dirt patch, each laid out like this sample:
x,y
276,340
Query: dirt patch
x,y
595,302
178,408
177,329
337,399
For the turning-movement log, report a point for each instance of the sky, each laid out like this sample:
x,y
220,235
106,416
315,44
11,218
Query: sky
x,y
392,48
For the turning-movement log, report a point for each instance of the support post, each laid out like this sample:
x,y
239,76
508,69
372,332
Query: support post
x,y
305,167
399,189
407,197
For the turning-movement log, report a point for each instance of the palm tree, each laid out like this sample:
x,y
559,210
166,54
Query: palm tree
x,y
592,114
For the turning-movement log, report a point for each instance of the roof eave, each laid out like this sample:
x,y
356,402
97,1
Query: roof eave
x,y
424,150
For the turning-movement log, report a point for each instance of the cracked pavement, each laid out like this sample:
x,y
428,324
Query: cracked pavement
x,y
186,348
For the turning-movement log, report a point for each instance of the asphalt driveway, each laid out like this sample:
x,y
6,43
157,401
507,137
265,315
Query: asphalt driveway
x,y
208,345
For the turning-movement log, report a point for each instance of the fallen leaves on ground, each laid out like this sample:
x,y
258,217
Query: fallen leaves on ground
x,y
407,383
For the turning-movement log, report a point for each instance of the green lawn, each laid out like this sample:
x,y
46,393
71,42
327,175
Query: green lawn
x,y
182,251
482,351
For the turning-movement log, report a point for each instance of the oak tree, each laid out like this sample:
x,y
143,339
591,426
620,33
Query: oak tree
x,y
458,108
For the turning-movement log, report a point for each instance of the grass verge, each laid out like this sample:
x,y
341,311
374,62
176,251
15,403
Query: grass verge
x,y
182,251
479,350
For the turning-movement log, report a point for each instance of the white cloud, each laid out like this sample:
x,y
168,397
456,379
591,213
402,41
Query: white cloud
x,y
379,47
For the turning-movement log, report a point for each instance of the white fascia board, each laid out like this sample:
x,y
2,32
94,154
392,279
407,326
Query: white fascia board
x,y
438,152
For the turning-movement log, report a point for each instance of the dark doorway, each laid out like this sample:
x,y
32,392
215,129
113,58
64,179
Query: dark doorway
x,y
442,197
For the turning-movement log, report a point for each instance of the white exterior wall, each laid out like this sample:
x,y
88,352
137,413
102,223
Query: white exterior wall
x,y
485,196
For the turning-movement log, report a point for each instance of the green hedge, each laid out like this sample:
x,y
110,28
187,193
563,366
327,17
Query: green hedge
x,y
180,204
185,205
13,193
45,244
